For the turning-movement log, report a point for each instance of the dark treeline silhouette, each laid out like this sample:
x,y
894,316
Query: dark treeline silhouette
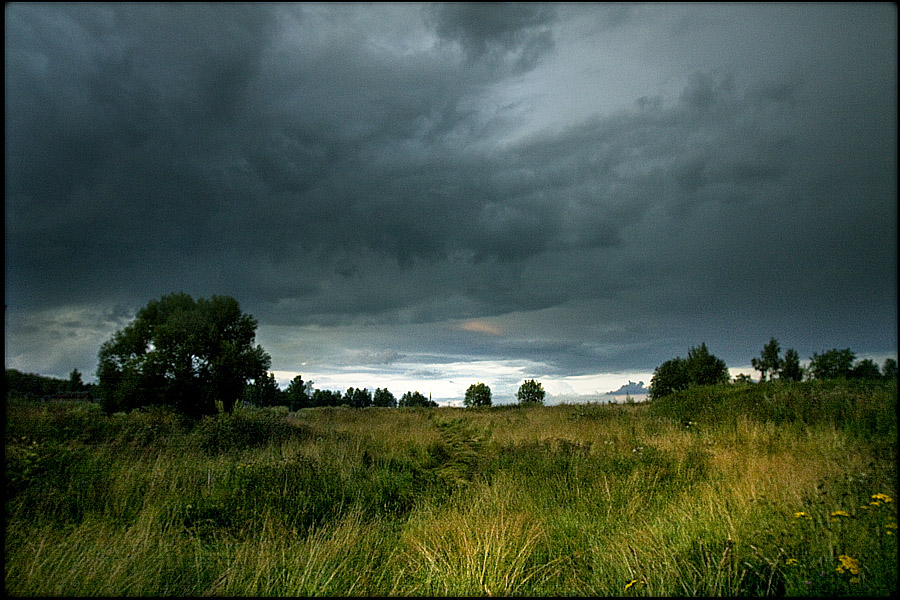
x,y
301,394
32,386
198,357
703,368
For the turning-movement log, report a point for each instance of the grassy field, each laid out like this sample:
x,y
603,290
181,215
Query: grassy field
x,y
769,489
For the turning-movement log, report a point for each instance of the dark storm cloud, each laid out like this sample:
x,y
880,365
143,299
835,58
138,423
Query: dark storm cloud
x,y
514,33
111,110
162,144
339,166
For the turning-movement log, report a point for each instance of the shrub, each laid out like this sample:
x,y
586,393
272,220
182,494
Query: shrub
x,y
245,429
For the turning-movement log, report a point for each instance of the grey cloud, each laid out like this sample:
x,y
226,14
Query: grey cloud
x,y
515,33
367,178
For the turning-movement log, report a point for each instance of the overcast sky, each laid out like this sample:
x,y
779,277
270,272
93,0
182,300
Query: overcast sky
x,y
422,197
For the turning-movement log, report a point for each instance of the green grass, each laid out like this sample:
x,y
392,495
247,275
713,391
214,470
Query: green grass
x,y
773,489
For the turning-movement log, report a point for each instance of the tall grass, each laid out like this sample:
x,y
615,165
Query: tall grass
x,y
758,490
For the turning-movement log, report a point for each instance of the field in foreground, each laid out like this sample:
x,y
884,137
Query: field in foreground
x,y
756,490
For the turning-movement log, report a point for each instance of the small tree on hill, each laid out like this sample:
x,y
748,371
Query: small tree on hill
x,y
478,394
416,399
264,392
531,392
75,382
831,364
358,398
384,398
865,369
790,366
704,368
769,361
669,377
297,394
889,370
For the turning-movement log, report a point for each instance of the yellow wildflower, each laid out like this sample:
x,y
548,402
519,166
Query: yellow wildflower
x,y
883,497
791,561
840,513
802,515
632,582
848,564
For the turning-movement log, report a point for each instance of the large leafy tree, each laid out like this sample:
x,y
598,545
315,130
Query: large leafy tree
x,y
699,368
478,394
183,353
531,392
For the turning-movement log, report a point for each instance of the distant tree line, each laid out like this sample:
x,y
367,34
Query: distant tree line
x,y
198,357
301,394
30,385
702,368
831,364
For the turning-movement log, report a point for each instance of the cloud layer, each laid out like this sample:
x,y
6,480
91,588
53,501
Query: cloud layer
x,y
586,187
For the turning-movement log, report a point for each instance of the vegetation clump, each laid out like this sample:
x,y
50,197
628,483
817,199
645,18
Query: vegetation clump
x,y
195,474
781,488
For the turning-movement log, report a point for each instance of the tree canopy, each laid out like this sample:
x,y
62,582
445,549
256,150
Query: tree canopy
x,y
832,363
865,369
699,368
410,399
182,353
357,397
769,361
384,398
478,394
790,366
531,392
772,363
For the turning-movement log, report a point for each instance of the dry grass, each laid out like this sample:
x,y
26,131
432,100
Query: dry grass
x,y
562,500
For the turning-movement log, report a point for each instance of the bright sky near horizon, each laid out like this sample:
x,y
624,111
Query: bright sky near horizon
x,y
426,196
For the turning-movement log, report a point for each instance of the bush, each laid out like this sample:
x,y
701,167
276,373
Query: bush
x,y
53,482
248,428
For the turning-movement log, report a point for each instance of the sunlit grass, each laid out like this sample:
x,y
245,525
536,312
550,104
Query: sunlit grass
x,y
716,492
485,543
